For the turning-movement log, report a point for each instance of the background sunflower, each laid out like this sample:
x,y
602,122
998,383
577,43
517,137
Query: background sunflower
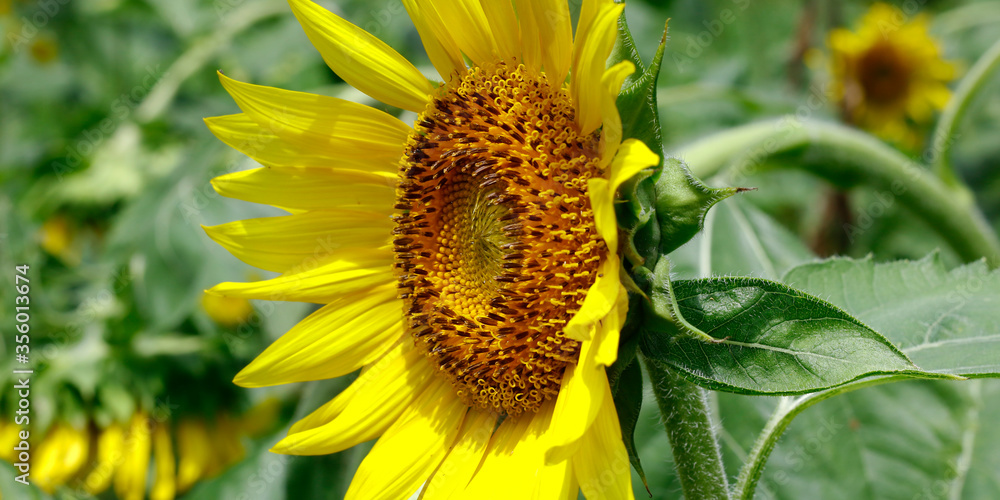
x,y
889,75
104,170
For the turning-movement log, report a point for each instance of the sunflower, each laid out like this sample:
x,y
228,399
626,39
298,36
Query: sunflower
x,y
889,76
467,264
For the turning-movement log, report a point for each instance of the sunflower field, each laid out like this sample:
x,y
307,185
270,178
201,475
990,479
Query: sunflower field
x,y
499,249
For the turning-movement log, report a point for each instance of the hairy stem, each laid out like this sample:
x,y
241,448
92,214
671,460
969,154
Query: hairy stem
x,y
789,408
685,413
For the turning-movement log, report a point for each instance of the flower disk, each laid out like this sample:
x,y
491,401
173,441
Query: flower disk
x,y
496,244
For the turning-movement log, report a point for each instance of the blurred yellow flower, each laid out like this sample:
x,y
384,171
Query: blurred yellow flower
x,y
468,262
60,456
889,75
110,447
44,49
56,237
93,460
226,311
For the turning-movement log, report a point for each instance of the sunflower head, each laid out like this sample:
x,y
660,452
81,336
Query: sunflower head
x,y
468,262
889,75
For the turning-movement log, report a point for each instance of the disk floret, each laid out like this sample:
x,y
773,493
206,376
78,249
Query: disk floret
x,y
495,241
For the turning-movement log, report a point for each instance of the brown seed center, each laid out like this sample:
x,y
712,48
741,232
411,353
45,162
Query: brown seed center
x,y
884,74
495,241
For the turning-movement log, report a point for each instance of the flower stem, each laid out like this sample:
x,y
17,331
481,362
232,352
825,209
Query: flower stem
x,y
685,414
955,111
847,158
789,408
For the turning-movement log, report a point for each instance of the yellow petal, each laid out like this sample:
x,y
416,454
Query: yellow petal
x,y
130,478
226,444
310,188
335,340
262,144
516,451
600,299
555,34
361,270
601,464
226,311
407,454
110,449
463,458
441,49
531,47
633,156
845,42
503,24
371,405
359,132
60,456
165,482
580,398
468,26
370,373
280,243
9,437
586,86
612,83
193,452
362,60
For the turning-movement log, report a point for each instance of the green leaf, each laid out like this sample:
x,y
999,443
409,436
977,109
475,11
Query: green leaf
x,y
929,312
982,478
945,321
918,439
768,338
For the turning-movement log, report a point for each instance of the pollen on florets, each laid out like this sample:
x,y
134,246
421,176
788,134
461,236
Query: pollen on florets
x,y
495,241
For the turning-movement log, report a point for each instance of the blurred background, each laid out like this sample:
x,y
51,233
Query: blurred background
x,y
105,166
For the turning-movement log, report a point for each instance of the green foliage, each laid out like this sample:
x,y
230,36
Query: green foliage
x,y
945,321
766,338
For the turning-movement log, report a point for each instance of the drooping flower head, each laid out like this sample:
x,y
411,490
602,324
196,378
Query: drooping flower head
x,y
468,262
889,75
